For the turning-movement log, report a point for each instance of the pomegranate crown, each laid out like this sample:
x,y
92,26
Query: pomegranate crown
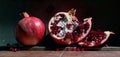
x,y
72,12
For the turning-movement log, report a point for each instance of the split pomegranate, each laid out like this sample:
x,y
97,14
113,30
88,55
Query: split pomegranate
x,y
95,38
29,31
65,28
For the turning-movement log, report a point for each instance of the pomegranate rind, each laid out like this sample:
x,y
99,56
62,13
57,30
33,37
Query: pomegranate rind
x,y
86,20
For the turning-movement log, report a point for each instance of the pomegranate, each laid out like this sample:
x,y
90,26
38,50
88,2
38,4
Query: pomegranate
x,y
95,38
65,28
29,30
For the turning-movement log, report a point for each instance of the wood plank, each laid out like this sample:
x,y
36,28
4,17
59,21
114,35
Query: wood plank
x,y
60,54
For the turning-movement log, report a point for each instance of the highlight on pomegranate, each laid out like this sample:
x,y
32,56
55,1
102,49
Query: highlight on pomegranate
x,y
30,30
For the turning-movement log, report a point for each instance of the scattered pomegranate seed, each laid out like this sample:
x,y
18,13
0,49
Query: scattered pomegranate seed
x,y
106,45
57,49
82,49
74,48
13,49
68,49
77,49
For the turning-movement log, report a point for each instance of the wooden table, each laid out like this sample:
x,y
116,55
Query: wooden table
x,y
60,54
42,52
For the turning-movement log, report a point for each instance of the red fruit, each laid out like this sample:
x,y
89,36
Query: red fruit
x,y
29,30
65,28
95,38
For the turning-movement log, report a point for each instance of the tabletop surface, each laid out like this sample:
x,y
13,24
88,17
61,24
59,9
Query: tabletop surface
x,y
60,54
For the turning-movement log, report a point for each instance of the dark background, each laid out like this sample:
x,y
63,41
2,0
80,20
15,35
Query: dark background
x,y
104,12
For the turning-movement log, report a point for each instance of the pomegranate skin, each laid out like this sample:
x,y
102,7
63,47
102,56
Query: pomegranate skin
x,y
29,31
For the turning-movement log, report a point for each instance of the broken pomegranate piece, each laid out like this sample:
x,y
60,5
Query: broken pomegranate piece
x,y
95,38
65,28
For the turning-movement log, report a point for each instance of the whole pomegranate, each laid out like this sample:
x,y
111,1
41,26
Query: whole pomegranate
x,y
29,30
65,28
95,38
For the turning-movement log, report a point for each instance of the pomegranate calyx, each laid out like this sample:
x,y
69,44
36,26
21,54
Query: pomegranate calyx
x,y
72,12
88,19
25,14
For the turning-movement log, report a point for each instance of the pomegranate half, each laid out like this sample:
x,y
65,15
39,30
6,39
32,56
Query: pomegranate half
x,y
65,28
29,30
95,38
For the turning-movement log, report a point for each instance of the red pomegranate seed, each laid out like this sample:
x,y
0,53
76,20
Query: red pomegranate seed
x,y
106,45
57,49
68,36
75,37
13,49
82,49
68,26
68,49
77,49
74,48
